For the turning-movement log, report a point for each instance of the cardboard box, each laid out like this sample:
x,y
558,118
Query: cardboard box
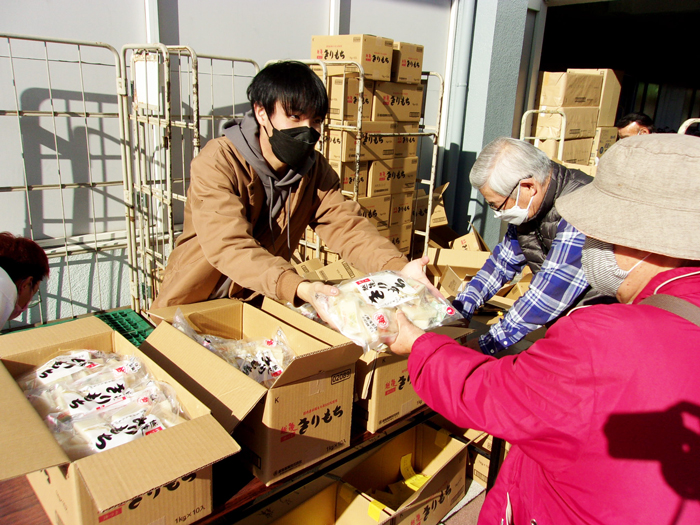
x,y
422,455
341,143
401,208
304,417
609,96
450,284
406,146
374,53
604,138
587,169
376,209
346,173
576,151
344,98
334,273
392,176
472,241
580,123
398,102
569,89
120,484
309,266
407,63
400,235
383,390
463,263
438,216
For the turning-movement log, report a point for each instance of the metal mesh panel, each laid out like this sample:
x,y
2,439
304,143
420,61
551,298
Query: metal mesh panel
x,y
60,141
168,86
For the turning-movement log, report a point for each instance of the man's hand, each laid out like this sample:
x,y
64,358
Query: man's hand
x,y
408,333
312,293
414,270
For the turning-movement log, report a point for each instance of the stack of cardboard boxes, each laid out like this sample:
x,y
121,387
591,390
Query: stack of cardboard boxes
x,y
391,101
588,98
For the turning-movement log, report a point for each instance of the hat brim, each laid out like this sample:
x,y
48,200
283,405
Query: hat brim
x,y
632,223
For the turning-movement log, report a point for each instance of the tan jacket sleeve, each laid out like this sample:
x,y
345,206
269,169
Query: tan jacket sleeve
x,y
225,233
339,223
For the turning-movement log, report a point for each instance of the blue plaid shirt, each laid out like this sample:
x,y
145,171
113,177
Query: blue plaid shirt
x,y
553,289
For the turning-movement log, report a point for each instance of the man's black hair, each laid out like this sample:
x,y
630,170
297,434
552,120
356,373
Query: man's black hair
x,y
294,85
642,119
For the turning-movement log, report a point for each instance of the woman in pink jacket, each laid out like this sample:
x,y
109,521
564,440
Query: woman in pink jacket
x,y
604,412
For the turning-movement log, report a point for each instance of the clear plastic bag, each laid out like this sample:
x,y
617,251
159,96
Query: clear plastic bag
x,y
66,367
151,409
365,309
263,360
93,401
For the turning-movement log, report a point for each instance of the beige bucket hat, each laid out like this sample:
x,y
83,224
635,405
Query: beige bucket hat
x,y
646,195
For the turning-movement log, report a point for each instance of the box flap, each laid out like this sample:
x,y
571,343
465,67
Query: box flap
x,y
228,393
119,475
70,334
168,313
313,328
27,444
308,365
463,262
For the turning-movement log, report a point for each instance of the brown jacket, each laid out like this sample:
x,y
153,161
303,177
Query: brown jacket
x,y
225,202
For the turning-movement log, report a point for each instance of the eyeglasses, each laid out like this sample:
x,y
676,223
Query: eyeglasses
x,y
505,201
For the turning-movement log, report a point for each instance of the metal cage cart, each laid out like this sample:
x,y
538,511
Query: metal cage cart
x,y
684,127
61,154
165,87
562,132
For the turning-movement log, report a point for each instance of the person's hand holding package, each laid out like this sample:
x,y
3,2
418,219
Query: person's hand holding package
x,y
406,336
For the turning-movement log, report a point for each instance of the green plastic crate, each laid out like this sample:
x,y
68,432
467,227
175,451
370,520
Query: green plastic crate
x,y
128,323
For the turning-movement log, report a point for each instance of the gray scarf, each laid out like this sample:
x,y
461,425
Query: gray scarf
x,y
244,134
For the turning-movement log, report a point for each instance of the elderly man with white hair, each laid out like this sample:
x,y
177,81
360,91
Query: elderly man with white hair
x,y
521,185
603,413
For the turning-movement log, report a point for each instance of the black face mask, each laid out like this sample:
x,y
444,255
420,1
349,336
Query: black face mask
x,y
293,145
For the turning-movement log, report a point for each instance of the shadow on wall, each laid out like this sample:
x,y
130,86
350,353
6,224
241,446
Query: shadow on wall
x,y
671,438
72,149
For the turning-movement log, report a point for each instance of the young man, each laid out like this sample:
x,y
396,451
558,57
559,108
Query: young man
x,y
23,265
254,191
603,412
521,185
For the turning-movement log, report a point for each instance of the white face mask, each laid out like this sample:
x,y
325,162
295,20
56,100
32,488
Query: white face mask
x,y
601,268
515,215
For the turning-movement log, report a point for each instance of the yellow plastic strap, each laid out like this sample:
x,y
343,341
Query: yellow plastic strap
x,y
375,510
407,467
413,480
417,481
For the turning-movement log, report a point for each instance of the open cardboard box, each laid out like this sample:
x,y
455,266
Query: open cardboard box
x,y
304,417
431,458
164,477
383,391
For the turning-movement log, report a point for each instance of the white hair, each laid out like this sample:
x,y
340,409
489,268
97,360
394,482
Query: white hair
x,y
504,162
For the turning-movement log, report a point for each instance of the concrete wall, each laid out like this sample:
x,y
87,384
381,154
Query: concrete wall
x,y
496,44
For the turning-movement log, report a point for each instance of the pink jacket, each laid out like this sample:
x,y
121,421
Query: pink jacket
x,y
603,414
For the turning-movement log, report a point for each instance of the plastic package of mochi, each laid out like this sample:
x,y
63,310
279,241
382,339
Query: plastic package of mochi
x,y
365,309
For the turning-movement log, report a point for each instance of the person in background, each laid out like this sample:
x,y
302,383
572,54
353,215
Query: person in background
x,y
634,124
254,191
521,185
602,413
23,265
